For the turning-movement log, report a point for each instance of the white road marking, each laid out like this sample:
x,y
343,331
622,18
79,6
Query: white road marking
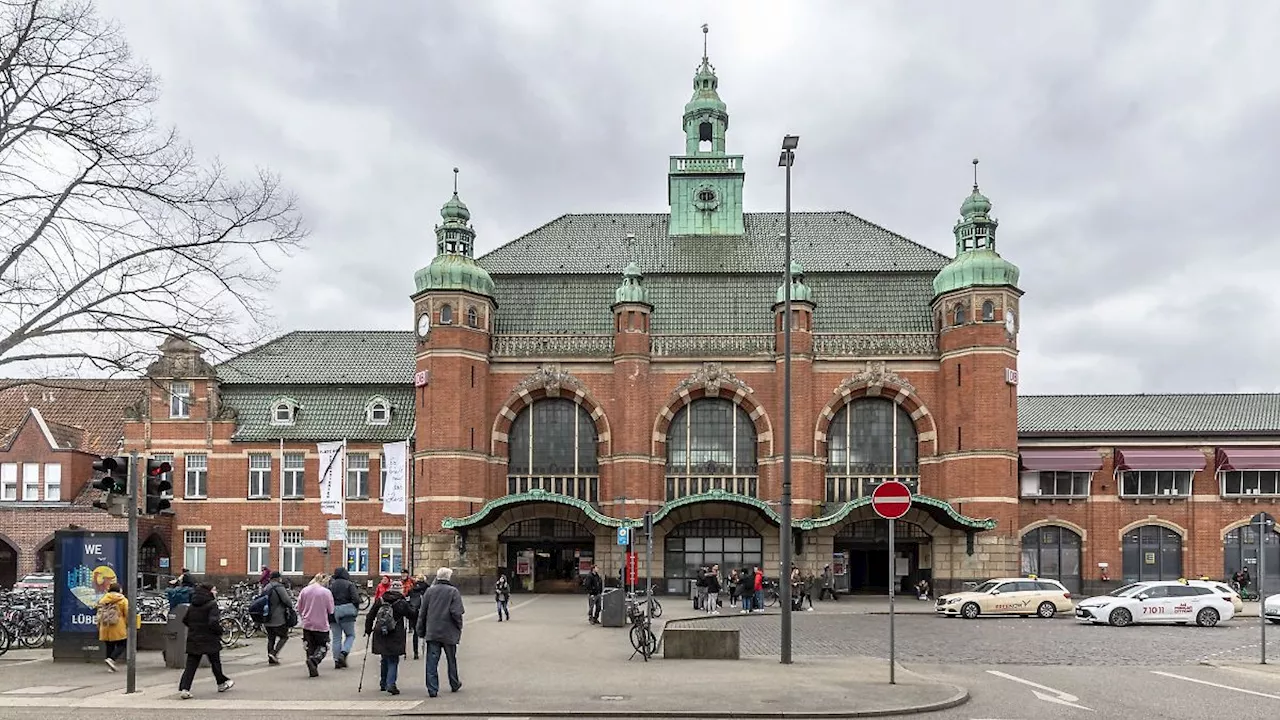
x,y
1217,685
1049,695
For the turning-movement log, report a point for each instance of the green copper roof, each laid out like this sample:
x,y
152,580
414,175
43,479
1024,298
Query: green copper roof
x,y
325,412
975,204
976,268
799,291
329,357
455,209
1190,414
632,289
705,95
454,272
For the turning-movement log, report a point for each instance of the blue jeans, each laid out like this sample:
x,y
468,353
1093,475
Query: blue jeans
x,y
746,601
433,666
345,625
390,671
503,609
759,599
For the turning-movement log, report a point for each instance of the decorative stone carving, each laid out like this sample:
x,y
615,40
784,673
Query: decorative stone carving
x,y
712,376
180,358
552,379
704,345
552,345
876,374
871,344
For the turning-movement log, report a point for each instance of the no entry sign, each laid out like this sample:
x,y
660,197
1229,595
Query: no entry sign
x,y
891,499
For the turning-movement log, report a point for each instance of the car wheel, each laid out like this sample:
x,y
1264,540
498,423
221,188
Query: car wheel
x,y
1120,618
970,611
1047,610
1274,621
1207,617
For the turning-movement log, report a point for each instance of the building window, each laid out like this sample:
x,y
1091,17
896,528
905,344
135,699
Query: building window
x,y
1151,552
390,551
197,485
473,317
1155,483
358,552
294,470
1053,552
711,445
446,314
30,482
282,413
1055,484
9,482
358,476
52,482
1250,482
958,316
377,412
259,550
291,552
382,475
552,447
259,475
193,550
702,543
180,399
869,441
988,311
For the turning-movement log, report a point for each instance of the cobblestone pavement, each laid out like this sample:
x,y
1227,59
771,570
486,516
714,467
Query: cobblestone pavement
x,y
997,641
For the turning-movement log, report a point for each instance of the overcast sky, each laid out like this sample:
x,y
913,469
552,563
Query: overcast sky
x,y
1130,148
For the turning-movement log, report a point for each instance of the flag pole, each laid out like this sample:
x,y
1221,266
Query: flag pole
x,y
407,561
280,520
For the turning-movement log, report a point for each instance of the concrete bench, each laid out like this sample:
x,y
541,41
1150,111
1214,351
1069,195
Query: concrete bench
x,y
700,643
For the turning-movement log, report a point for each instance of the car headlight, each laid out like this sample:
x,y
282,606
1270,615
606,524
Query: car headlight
x,y
952,601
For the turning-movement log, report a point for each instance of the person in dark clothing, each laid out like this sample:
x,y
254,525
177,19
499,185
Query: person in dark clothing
x,y
440,623
502,595
204,639
713,590
343,623
277,628
746,589
389,645
595,587
265,578
419,586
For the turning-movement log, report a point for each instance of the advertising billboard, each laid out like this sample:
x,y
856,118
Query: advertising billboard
x,y
85,565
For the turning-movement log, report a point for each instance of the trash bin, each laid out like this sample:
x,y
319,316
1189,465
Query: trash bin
x,y
175,638
613,608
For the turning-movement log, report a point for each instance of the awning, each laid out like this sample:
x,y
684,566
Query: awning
x,y
1248,458
1074,460
1160,459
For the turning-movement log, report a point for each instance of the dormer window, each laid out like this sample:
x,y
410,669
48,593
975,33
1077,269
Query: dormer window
x,y
446,314
473,317
378,412
284,412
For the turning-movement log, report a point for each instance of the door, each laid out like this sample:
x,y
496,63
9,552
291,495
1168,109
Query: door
x,y
1155,605
8,565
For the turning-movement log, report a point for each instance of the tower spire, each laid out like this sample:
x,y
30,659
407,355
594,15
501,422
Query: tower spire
x,y
705,30
455,180
975,174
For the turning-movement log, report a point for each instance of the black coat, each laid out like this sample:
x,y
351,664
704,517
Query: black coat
x,y
204,634
391,644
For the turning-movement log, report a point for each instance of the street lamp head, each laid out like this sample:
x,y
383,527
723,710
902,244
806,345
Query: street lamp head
x,y
789,142
786,159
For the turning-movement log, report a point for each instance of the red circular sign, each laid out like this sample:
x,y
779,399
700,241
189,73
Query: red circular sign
x,y
891,499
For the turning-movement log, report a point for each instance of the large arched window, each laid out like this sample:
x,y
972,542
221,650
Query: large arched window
x,y
552,447
1151,552
711,445
870,440
1054,553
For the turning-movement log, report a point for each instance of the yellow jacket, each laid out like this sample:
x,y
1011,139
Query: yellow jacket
x,y
118,630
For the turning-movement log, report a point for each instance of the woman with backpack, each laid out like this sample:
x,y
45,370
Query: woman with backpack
x,y
204,639
385,622
502,595
112,610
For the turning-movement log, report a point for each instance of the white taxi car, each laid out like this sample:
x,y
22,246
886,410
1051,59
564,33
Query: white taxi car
x,y
1223,589
1159,601
1007,596
1271,609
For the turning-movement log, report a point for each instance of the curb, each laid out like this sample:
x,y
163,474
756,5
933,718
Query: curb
x,y
960,697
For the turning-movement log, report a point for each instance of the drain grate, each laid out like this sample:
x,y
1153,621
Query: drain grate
x,y
613,698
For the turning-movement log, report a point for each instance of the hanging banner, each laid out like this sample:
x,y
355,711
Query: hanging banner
x,y
396,456
333,464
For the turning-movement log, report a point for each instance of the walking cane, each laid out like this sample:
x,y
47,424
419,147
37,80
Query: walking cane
x,y
363,662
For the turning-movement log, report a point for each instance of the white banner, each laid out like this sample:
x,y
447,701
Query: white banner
x,y
396,456
333,463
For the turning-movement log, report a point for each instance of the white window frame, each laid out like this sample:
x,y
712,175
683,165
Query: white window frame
x,y
1033,484
180,394
357,564
378,412
196,472
195,549
1184,478
8,482
30,482
391,545
357,476
291,552
259,476
53,482
293,484
259,542
283,412
1253,483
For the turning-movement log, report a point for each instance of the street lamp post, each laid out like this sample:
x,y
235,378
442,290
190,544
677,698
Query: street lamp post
x,y
786,160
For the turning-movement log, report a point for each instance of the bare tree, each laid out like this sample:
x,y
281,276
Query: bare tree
x,y
114,234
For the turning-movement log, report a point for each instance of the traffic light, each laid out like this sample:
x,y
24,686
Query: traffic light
x,y
115,475
158,486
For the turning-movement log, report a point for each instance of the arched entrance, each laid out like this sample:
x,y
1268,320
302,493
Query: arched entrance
x,y
1151,552
694,544
1053,552
547,554
8,565
1240,550
149,554
865,545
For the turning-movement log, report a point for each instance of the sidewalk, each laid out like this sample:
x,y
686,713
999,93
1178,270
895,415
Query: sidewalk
x,y
548,661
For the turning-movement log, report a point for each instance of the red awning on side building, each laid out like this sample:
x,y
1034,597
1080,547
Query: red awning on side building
x,y
1068,460
1248,458
1160,459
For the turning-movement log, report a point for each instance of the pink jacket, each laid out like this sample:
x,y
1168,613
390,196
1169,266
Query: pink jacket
x,y
315,605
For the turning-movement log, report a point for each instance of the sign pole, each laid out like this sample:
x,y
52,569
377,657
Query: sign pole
x,y
892,572
891,500
131,579
1262,577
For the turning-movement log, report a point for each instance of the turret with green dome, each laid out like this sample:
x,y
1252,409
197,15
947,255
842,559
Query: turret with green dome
x,y
977,264
453,267
799,291
632,289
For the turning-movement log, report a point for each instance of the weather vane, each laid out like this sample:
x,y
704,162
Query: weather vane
x,y
705,30
975,173
455,180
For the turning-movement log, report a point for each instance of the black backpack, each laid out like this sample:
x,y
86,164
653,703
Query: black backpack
x,y
385,620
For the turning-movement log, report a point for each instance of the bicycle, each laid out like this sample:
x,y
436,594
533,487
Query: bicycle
x,y
1245,593
637,596
643,641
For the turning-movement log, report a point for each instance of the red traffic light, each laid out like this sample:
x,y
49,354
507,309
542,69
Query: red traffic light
x,y
158,468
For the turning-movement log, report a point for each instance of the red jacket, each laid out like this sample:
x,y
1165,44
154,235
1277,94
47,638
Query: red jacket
x,y
759,580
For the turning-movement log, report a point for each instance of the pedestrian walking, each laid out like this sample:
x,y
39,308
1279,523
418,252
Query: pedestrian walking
x,y
280,612
112,612
502,595
440,623
204,639
343,625
420,586
385,623
828,584
383,586
595,588
315,606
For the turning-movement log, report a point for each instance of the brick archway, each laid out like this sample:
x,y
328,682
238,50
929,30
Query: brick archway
x,y
740,396
524,396
885,385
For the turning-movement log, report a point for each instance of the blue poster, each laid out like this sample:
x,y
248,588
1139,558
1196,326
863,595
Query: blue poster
x,y
86,563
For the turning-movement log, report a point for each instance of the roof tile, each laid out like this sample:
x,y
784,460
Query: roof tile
x,y
1201,414
87,415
